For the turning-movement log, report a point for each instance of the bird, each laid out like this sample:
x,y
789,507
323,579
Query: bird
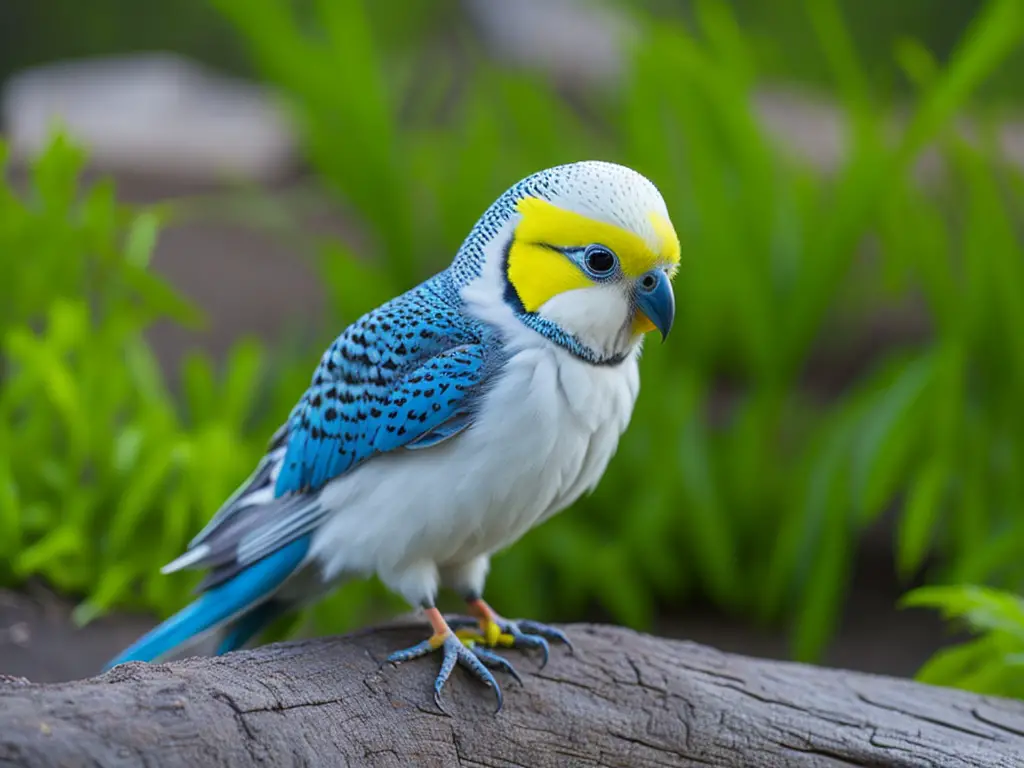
x,y
443,425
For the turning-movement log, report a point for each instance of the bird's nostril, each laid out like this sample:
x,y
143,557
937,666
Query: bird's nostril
x,y
649,282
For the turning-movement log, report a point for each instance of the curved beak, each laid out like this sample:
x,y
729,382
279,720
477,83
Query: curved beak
x,y
654,298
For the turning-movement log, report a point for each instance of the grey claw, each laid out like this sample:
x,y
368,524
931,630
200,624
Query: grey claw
x,y
440,704
501,699
543,645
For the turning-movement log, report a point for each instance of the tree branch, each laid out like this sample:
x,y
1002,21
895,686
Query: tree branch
x,y
623,699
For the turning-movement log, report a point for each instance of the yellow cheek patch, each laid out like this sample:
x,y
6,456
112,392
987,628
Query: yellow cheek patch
x,y
538,272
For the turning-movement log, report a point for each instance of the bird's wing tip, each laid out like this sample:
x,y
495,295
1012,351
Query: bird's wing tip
x,y
191,557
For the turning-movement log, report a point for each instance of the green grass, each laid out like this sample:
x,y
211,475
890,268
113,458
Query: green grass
x,y
992,662
735,482
102,472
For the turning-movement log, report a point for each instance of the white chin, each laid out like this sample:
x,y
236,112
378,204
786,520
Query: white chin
x,y
599,316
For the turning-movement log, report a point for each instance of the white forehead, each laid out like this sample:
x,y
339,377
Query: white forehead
x,y
606,192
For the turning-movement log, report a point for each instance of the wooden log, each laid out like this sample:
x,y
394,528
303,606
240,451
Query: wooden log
x,y
622,699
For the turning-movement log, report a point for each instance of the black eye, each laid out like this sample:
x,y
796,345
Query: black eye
x,y
649,282
600,261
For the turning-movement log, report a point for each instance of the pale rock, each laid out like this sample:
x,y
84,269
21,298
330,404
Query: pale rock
x,y
151,113
578,41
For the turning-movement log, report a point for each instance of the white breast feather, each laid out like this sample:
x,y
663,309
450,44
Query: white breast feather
x,y
543,436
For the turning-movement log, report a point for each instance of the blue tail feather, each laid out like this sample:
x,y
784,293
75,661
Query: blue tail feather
x,y
248,625
220,604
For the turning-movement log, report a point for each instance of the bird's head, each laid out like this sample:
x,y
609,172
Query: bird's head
x,y
585,254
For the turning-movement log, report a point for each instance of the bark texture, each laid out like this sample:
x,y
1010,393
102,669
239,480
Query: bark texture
x,y
623,699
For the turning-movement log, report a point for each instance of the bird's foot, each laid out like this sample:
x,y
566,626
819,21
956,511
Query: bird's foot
x,y
491,630
466,653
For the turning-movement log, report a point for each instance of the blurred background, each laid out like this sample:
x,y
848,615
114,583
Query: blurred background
x,y
825,461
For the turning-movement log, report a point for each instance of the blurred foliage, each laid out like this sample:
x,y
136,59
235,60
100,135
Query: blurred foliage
x,y
103,473
736,480
780,30
993,662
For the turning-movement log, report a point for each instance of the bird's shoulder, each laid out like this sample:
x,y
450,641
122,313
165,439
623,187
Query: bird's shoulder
x,y
406,374
380,346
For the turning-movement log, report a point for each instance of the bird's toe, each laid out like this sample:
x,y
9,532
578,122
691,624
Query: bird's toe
x,y
546,631
456,652
494,661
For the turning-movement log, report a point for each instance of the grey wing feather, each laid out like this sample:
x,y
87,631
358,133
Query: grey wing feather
x,y
243,539
249,492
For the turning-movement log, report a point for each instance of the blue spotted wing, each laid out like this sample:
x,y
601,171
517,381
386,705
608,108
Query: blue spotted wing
x,y
404,372
406,375
338,425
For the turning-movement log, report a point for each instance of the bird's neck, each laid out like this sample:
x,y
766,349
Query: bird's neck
x,y
572,343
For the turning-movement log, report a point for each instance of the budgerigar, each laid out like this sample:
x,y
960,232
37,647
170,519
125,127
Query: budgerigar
x,y
442,426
